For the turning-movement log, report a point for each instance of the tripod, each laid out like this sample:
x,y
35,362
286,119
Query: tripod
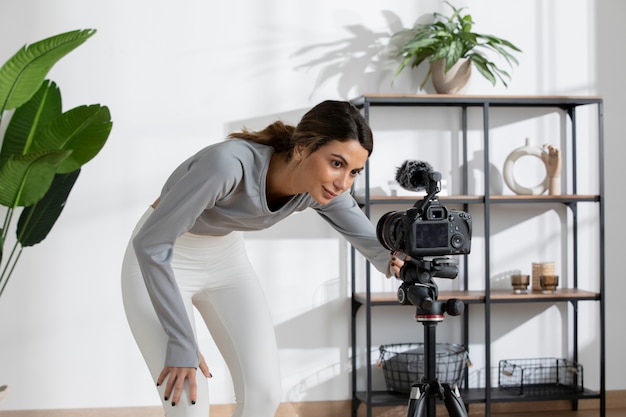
x,y
420,290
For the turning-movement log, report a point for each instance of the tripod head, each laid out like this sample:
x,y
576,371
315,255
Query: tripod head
x,y
419,289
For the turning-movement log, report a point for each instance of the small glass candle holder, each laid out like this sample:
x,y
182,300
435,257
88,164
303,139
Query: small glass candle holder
x,y
520,283
549,283
539,269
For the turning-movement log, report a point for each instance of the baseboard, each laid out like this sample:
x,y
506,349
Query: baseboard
x,y
614,400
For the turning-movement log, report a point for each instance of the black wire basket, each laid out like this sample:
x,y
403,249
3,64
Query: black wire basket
x,y
540,377
403,364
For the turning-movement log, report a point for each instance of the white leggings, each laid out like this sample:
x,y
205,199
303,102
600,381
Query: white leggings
x,y
214,276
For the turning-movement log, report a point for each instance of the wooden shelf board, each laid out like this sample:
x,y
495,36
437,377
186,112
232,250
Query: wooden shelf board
x,y
391,297
561,198
480,199
473,100
562,294
482,97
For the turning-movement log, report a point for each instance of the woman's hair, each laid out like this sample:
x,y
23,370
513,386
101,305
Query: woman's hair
x,y
328,121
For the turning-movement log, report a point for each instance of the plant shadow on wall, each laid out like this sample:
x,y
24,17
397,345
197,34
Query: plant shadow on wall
x,y
43,148
447,43
365,60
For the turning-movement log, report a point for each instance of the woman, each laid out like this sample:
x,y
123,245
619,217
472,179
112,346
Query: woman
x,y
187,251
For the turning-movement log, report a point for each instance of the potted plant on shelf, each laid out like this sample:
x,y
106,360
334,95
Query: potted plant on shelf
x,y
43,148
450,46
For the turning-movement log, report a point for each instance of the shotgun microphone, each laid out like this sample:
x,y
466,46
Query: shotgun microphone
x,y
414,175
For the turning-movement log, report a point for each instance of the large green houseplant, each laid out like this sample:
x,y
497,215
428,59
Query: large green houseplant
x,y
450,39
43,148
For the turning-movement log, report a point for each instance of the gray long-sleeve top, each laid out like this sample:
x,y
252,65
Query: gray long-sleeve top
x,y
221,189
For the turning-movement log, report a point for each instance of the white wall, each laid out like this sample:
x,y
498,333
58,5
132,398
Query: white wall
x,y
179,75
609,33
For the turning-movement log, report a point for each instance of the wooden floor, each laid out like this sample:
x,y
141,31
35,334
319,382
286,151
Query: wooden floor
x,y
442,412
318,409
615,412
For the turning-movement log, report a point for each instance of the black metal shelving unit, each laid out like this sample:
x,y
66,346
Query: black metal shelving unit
x,y
368,300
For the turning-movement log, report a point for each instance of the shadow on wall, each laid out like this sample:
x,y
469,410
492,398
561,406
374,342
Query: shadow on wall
x,y
291,117
363,61
322,342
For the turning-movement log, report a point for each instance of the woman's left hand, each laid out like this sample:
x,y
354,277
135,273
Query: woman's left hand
x,y
176,377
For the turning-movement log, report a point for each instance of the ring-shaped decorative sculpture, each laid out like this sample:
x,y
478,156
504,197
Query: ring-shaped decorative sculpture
x,y
528,150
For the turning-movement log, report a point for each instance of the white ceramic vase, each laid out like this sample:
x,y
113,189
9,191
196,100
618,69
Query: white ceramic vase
x,y
455,81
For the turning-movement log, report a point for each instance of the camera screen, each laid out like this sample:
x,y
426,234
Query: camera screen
x,y
431,235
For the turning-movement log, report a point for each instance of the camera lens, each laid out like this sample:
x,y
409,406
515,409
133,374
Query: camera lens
x,y
457,240
390,230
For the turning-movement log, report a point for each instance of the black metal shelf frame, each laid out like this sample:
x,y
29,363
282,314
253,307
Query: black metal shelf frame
x,y
568,104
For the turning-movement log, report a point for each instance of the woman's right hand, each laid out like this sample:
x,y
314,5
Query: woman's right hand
x,y
176,379
397,262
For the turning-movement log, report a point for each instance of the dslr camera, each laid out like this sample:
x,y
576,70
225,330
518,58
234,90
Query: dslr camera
x,y
428,228
427,233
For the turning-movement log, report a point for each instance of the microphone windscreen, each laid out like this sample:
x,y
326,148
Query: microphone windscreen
x,y
414,175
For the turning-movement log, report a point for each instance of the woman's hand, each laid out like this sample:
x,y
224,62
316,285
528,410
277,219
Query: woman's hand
x,y
397,261
176,379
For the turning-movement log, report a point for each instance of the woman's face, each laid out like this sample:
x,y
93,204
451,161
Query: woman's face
x,y
331,169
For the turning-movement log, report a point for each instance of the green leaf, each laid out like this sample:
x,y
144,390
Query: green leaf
x,y
37,220
418,43
83,130
23,73
453,55
25,179
503,42
481,65
29,120
510,59
417,59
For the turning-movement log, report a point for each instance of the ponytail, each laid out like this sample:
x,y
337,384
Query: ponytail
x,y
277,135
328,121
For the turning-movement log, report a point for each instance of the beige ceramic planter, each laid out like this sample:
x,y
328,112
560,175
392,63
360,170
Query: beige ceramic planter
x,y
455,81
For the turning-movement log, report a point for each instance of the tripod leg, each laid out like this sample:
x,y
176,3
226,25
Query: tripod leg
x,y
454,403
417,401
